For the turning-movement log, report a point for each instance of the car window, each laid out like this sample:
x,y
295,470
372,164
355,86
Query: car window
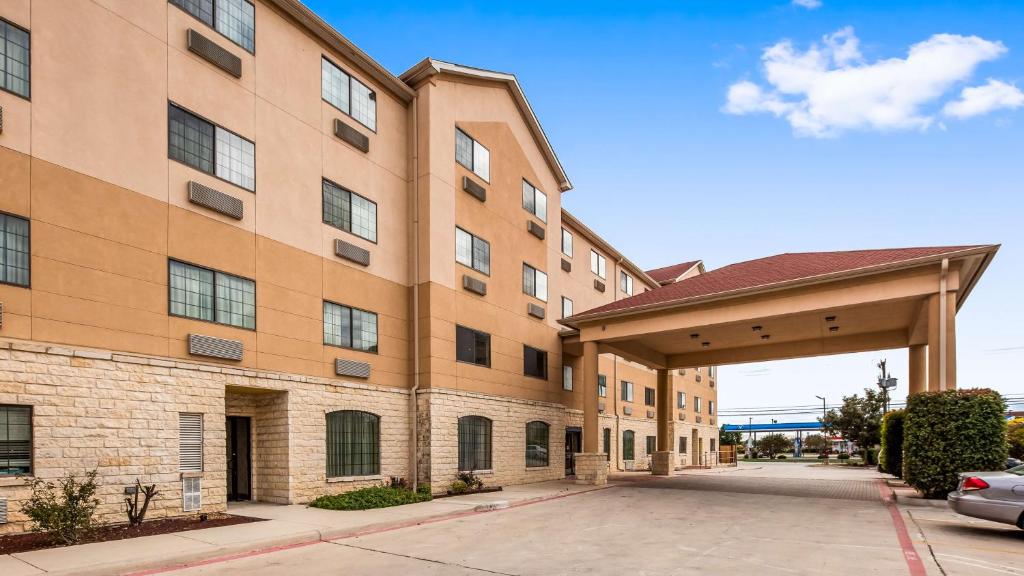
x,y
1018,470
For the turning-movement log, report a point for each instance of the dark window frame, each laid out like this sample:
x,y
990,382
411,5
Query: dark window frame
x,y
473,239
351,78
475,333
213,25
652,444
572,242
650,396
340,468
351,326
626,386
323,205
602,386
31,441
535,271
472,169
27,97
628,449
543,218
542,362
28,223
255,319
536,462
481,424
213,172
607,443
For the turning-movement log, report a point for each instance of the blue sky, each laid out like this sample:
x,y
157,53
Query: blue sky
x,y
636,99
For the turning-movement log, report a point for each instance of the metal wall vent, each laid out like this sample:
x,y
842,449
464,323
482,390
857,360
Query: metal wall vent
x,y
598,285
215,200
351,252
650,413
474,285
697,377
535,229
352,368
1,119
682,415
351,135
474,189
3,510
712,421
214,347
627,410
209,50
566,265
535,310
698,418
600,406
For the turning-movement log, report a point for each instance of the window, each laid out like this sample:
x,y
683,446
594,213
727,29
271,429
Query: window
x,y
627,391
15,60
353,443
474,443
696,404
15,440
350,327
682,444
535,282
210,295
607,443
535,362
472,155
15,258
190,442
713,445
680,399
602,385
235,19
536,444
711,406
566,377
597,264
628,447
341,90
649,394
566,307
535,202
652,444
472,251
349,211
209,148
472,346
566,243
191,494
626,283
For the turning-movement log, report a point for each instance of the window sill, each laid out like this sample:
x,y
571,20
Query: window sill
x,y
192,474
538,468
337,479
477,472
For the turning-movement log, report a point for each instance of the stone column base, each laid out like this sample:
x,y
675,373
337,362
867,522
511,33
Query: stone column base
x,y
591,469
663,463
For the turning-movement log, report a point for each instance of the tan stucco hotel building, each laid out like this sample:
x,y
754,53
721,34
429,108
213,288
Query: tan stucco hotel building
x,y
243,261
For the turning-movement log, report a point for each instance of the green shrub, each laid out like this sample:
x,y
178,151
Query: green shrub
x,y
373,497
872,456
472,481
891,458
1015,436
945,433
64,509
780,457
843,456
458,487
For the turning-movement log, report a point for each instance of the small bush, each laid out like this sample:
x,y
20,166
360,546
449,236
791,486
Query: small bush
x,y
891,459
945,433
458,487
472,481
780,457
372,497
64,509
872,456
843,456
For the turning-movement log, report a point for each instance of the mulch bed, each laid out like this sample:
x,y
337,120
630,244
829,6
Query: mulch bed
x,y
484,490
13,543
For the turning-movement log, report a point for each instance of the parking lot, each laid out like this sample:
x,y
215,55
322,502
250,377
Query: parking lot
x,y
757,519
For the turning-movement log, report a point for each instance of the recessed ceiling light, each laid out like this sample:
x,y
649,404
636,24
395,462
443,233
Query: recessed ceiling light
x,y
694,335
830,318
833,328
755,328
765,336
705,344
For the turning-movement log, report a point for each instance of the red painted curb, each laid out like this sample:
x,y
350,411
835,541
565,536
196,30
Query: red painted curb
x,y
914,563
357,533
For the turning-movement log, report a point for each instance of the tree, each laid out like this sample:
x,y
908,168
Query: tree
x,y
815,443
1015,437
858,419
726,438
773,444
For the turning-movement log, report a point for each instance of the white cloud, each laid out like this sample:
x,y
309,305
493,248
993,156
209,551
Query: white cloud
x,y
978,100
809,4
829,89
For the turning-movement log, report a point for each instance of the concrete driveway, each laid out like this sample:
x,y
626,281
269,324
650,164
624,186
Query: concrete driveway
x,y
757,519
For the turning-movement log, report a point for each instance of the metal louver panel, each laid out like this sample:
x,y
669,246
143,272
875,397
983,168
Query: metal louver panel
x,y
191,494
190,441
214,347
627,410
535,229
682,415
351,252
566,265
209,50
600,406
351,135
650,413
215,200
474,285
3,510
598,285
535,310
474,189
352,368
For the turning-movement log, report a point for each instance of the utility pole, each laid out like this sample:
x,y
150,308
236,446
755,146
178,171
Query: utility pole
x,y
885,383
823,414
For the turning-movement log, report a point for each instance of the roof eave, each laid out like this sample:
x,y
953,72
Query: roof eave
x,y
604,245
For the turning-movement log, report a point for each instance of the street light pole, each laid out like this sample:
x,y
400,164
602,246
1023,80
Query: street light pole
x,y
823,414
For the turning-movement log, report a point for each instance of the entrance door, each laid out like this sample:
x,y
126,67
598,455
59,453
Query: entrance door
x,y
239,458
573,445
694,449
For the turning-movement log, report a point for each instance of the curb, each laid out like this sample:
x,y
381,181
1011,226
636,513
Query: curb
x,y
918,502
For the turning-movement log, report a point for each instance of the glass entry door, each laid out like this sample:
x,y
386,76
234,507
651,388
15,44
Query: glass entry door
x,y
573,445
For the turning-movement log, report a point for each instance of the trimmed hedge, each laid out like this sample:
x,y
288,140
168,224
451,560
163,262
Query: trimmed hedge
x,y
373,497
945,433
892,443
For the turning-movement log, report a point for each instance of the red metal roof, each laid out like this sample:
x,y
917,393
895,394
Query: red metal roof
x,y
668,274
765,272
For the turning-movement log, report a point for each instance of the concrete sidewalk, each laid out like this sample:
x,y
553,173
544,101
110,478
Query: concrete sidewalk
x,y
285,526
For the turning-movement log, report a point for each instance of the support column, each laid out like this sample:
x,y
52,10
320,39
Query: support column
x,y
918,369
942,342
663,462
591,464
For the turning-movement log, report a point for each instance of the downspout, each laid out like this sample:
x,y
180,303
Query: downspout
x,y
942,324
413,405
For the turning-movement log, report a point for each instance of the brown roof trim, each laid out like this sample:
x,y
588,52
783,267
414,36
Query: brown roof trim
x,y
344,46
604,245
429,67
988,251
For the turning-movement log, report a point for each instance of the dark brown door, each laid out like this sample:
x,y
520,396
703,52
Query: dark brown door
x,y
239,443
573,445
